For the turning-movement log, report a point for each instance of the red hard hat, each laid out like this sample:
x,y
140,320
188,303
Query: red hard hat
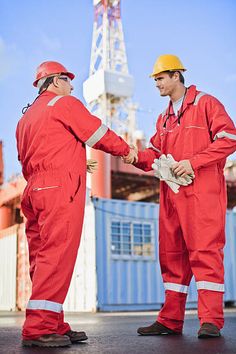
x,y
48,68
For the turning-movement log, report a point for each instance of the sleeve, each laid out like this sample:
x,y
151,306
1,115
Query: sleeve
x,y
90,130
147,156
223,134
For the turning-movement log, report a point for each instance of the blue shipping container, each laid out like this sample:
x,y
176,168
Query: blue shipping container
x,y
128,271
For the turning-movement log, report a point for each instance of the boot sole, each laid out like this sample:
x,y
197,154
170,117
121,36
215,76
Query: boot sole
x,y
204,335
35,343
158,334
79,340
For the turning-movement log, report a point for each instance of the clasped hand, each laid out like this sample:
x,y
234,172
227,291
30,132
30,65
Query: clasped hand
x,y
92,165
132,157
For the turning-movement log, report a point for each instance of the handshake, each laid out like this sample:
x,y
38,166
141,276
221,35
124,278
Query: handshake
x,y
132,157
163,169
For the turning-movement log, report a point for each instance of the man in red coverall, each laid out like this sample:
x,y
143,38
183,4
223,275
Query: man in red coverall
x,y
196,130
51,139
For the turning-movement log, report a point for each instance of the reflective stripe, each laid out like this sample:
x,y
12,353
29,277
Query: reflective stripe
x,y
223,134
208,285
54,100
179,288
197,98
99,133
153,147
44,305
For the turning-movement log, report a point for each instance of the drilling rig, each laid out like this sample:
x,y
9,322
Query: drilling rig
x,y
109,87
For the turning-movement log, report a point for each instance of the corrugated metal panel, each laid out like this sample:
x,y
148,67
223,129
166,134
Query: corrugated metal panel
x,y
82,291
133,284
127,283
8,249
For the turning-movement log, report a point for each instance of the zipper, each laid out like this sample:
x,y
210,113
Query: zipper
x,y
43,188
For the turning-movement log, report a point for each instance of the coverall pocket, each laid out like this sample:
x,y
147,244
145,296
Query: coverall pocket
x,y
197,138
46,197
206,182
75,180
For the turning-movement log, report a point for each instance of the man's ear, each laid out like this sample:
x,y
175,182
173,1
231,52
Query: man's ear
x,y
55,81
176,75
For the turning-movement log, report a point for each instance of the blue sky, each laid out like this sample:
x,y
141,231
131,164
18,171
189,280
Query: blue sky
x,y
202,33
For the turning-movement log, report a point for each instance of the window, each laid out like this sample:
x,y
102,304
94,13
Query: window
x,y
132,239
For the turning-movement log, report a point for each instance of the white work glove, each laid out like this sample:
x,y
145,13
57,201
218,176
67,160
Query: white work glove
x,y
183,181
92,165
164,172
173,186
157,173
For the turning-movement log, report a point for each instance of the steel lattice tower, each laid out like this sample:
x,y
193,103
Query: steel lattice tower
x,y
109,88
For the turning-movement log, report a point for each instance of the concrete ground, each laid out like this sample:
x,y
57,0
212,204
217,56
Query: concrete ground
x,y
116,333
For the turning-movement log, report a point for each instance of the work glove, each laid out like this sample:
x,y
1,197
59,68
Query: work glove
x,y
183,181
92,165
173,186
159,174
189,178
163,170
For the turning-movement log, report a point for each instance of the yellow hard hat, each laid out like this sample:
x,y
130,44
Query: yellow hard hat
x,y
166,62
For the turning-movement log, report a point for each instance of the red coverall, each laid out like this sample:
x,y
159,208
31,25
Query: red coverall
x,y
51,138
192,222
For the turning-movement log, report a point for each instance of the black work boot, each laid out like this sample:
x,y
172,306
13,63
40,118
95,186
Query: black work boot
x,y
155,329
47,340
208,330
76,337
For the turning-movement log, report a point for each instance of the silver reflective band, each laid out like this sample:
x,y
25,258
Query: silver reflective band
x,y
44,305
54,100
179,288
197,98
223,134
99,133
153,147
208,285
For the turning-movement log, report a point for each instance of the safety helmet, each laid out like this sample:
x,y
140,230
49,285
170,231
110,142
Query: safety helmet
x,y
49,68
167,62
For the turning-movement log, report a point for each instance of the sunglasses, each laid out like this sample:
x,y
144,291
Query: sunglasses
x,y
65,78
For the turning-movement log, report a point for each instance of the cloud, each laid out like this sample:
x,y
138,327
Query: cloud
x,y
10,58
50,43
230,78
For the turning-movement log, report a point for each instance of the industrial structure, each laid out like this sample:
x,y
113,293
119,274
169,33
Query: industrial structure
x,y
112,266
108,92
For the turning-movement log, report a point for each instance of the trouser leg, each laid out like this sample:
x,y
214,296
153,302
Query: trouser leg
x,y
33,239
32,231
60,225
203,230
63,326
175,268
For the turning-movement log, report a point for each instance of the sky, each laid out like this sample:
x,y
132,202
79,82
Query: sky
x,y
202,33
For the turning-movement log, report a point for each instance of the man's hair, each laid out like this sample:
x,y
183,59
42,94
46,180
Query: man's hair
x,y
181,78
44,83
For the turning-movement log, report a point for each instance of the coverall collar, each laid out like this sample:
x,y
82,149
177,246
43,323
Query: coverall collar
x,y
189,99
48,93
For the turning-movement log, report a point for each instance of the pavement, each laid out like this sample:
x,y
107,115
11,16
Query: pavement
x,y
116,333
